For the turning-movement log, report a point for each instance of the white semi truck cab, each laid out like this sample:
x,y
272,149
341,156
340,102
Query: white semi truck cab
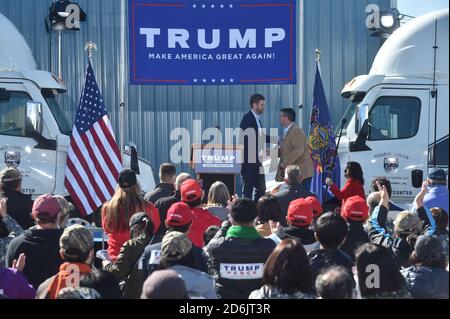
x,y
396,124
34,131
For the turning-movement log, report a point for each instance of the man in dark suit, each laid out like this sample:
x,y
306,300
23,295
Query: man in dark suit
x,y
294,190
167,176
253,138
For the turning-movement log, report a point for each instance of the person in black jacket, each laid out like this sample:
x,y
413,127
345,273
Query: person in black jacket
x,y
330,231
407,226
19,204
253,139
163,204
427,277
179,218
355,211
236,255
299,219
167,176
40,244
293,179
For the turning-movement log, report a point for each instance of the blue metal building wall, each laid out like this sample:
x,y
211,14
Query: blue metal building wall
x,y
335,26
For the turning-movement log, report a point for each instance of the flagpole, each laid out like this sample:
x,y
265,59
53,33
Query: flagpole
x,y
122,84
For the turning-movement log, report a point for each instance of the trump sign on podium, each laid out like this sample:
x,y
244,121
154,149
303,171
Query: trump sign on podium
x,y
212,42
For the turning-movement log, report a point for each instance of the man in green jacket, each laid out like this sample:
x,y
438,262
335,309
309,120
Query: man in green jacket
x,y
128,266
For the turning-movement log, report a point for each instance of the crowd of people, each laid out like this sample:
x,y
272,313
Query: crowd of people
x,y
177,242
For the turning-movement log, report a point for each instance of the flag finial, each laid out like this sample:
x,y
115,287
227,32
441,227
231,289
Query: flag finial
x,y
317,54
90,46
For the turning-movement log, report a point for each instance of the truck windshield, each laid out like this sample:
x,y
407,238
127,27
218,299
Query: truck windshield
x,y
347,115
60,117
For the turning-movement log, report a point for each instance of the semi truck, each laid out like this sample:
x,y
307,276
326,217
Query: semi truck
x,y
396,124
34,131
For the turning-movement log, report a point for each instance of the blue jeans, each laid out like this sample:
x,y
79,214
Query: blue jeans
x,y
306,183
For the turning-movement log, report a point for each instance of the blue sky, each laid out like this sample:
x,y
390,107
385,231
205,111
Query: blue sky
x,y
418,7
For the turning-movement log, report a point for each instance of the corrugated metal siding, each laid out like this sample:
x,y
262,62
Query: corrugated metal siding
x,y
335,26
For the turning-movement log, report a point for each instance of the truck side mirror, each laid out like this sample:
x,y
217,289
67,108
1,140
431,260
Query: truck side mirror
x,y
34,116
360,143
416,178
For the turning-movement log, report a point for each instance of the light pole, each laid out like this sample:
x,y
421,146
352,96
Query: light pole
x,y
64,15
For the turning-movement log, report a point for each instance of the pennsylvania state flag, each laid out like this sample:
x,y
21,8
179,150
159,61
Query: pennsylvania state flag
x,y
322,144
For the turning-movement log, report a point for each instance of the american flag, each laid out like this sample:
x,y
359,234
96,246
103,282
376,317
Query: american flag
x,y
93,159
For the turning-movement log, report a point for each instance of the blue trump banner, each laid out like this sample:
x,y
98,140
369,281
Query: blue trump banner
x,y
212,42
321,141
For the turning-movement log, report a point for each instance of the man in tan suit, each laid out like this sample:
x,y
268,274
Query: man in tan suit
x,y
294,149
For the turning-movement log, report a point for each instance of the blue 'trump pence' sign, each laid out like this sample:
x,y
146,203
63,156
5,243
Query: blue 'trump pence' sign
x,y
212,42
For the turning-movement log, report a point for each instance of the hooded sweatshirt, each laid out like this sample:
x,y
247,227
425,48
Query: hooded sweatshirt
x,y
50,288
41,248
304,234
202,220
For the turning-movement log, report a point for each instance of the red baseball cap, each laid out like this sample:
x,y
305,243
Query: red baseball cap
x,y
179,214
300,212
316,206
45,205
190,191
355,208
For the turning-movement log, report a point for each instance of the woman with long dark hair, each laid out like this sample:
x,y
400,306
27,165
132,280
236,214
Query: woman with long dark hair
x,y
378,274
116,213
353,186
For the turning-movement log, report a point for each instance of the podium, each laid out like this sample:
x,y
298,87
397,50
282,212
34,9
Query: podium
x,y
217,162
